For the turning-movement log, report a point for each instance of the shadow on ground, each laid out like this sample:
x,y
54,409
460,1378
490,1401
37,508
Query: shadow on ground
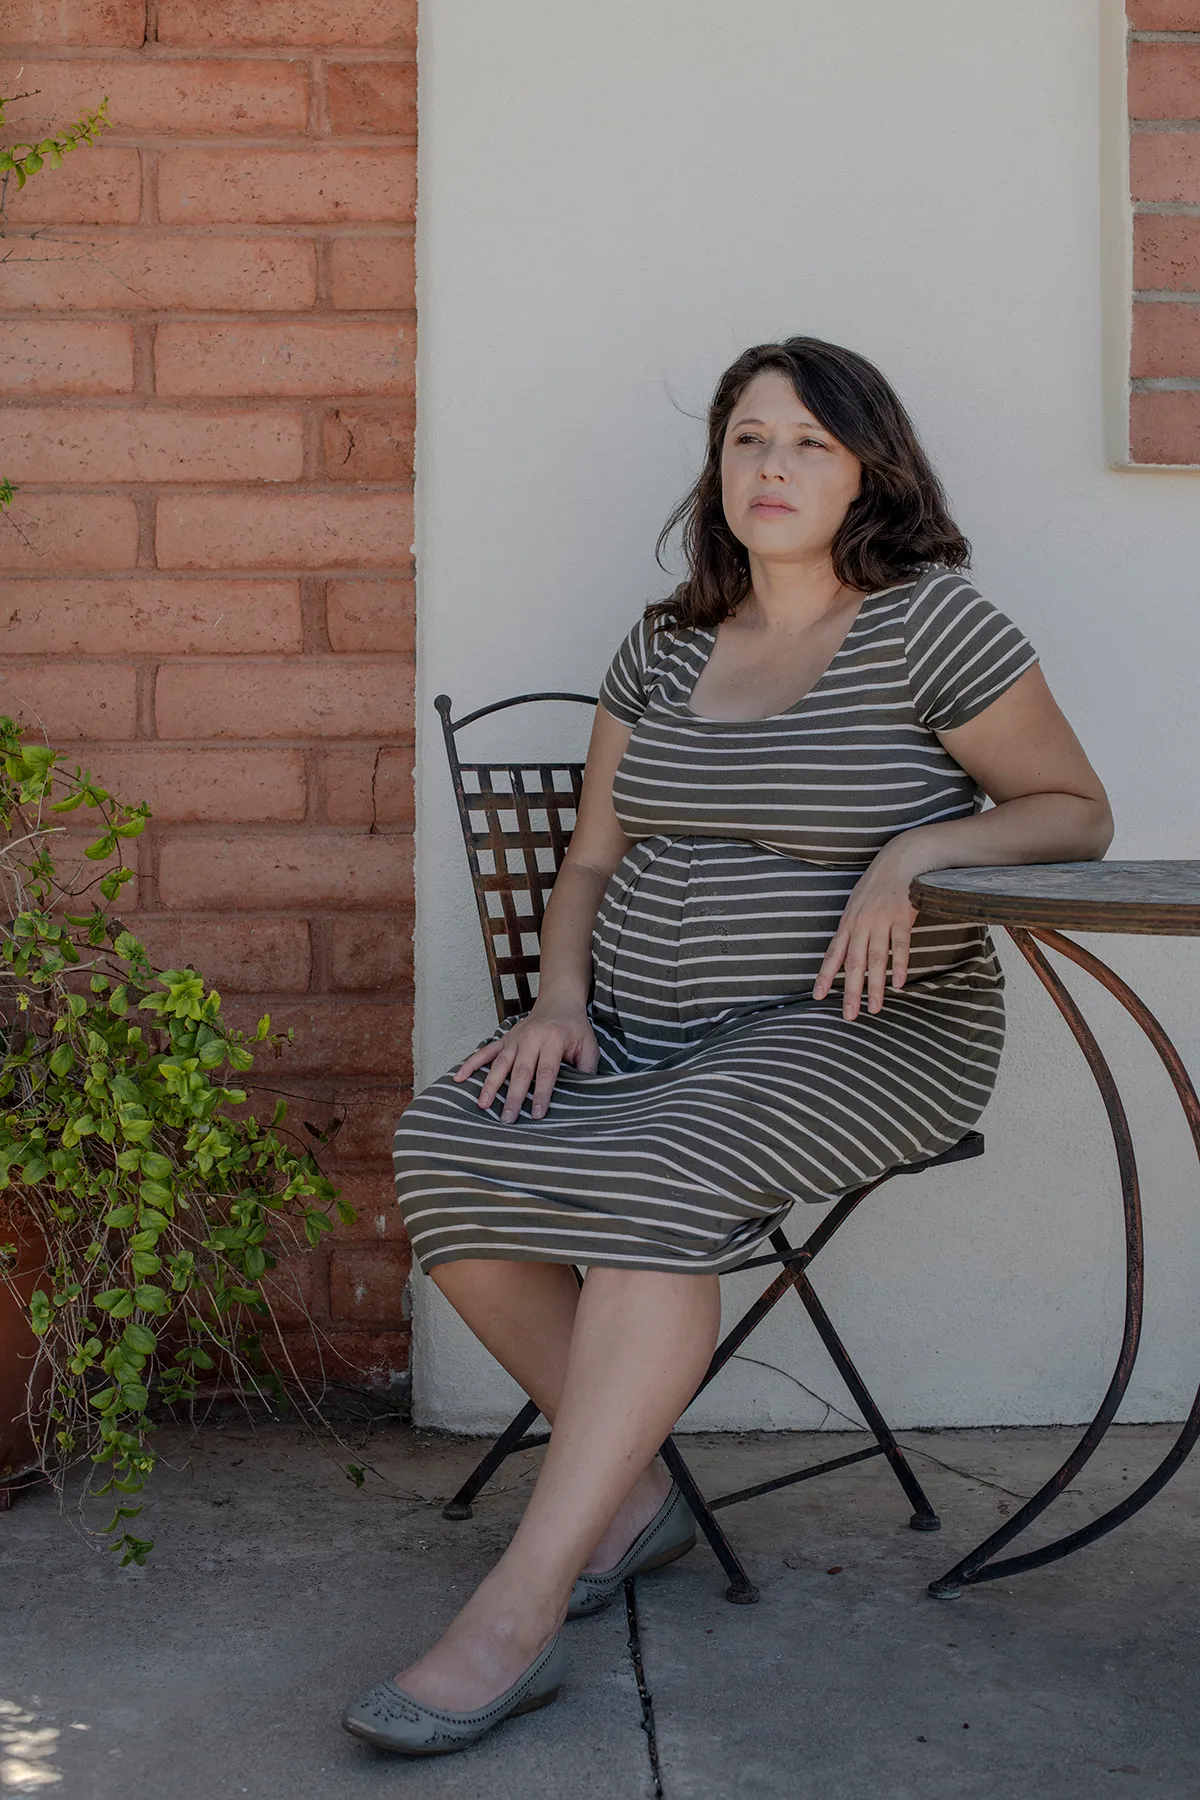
x,y
277,1590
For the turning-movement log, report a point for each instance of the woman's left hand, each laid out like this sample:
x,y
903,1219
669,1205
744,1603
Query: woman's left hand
x,y
877,922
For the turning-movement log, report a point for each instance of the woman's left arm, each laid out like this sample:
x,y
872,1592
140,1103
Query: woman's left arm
x,y
1050,806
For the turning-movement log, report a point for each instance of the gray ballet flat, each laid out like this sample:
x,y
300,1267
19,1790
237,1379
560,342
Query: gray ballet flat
x,y
670,1534
392,1720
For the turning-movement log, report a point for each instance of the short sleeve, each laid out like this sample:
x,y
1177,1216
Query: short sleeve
x,y
625,690
962,651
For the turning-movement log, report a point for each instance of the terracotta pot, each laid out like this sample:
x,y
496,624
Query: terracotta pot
x,y
18,1345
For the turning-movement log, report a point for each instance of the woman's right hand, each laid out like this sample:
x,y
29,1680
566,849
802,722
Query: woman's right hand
x,y
531,1054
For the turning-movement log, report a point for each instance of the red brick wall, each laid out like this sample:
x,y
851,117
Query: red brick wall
x,y
1164,110
206,347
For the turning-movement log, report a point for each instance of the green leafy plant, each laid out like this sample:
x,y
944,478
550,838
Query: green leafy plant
x,y
19,161
124,1137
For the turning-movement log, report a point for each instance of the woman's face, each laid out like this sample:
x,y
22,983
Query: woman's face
x,y
786,482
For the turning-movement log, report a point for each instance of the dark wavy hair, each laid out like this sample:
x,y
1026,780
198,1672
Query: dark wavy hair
x,y
899,523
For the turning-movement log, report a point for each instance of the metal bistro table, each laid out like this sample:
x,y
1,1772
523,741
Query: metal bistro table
x,y
1034,904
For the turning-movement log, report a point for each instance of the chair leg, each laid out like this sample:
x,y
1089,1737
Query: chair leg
x,y
741,1590
924,1518
460,1507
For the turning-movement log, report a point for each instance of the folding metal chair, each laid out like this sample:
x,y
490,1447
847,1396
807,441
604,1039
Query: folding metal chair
x,y
517,818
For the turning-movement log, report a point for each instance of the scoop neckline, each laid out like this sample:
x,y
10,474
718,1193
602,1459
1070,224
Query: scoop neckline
x,y
710,632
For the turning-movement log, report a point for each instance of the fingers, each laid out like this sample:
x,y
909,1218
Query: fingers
x,y
519,1082
877,962
543,1087
855,973
901,945
832,962
478,1058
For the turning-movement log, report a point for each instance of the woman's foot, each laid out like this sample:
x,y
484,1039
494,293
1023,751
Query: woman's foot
x,y
632,1519
486,1649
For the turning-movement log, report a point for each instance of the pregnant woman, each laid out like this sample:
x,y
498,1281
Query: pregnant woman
x,y
738,1007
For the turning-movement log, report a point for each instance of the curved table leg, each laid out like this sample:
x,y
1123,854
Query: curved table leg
x,y
972,1567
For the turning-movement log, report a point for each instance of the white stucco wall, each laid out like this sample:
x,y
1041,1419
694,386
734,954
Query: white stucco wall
x,y
615,200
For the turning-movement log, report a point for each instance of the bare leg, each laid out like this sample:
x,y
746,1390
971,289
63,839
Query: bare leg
x,y
639,1348
524,1313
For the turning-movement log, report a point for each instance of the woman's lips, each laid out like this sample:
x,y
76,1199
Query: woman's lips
x,y
771,506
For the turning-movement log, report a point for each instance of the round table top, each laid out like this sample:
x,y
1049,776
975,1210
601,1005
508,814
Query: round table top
x,y
1155,898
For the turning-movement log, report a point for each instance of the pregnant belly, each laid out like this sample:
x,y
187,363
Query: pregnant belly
x,y
697,930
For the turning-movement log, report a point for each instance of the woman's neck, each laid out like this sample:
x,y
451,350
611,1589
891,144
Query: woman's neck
x,y
790,597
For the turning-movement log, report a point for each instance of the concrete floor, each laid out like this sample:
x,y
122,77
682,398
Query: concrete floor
x,y
278,1589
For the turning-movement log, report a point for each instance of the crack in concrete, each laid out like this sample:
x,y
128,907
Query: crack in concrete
x,y
644,1694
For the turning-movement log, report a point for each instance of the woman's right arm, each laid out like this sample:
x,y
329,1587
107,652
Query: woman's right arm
x,y
557,1030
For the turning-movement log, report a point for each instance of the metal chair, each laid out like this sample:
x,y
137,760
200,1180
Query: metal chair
x,y
517,819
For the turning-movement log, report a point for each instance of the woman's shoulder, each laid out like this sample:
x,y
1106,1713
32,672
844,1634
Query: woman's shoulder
x,y
646,653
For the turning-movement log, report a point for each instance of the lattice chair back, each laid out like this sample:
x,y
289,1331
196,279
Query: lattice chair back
x,y
517,819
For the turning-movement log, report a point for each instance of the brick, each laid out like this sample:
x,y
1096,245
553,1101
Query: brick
x,y
373,97
376,1360
354,24
74,23
81,877
369,443
366,1287
1165,427
1166,249
188,96
1164,15
202,786
372,1194
68,531
69,701
372,952
333,1036
311,697
98,186
166,271
1165,166
284,531
369,787
368,1114
371,615
38,356
287,187
250,870
300,358
82,444
297,1288
1166,338
1164,81
236,956
369,274
153,617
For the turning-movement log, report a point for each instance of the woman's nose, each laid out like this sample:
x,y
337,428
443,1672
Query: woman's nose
x,y
774,463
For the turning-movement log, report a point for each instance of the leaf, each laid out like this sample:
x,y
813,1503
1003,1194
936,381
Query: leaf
x,y
102,849
357,1475
157,1167
151,1299
140,1339
121,1217
143,1262
62,1061
41,1315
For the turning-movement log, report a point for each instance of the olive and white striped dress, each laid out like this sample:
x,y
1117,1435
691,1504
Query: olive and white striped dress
x,y
725,1092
